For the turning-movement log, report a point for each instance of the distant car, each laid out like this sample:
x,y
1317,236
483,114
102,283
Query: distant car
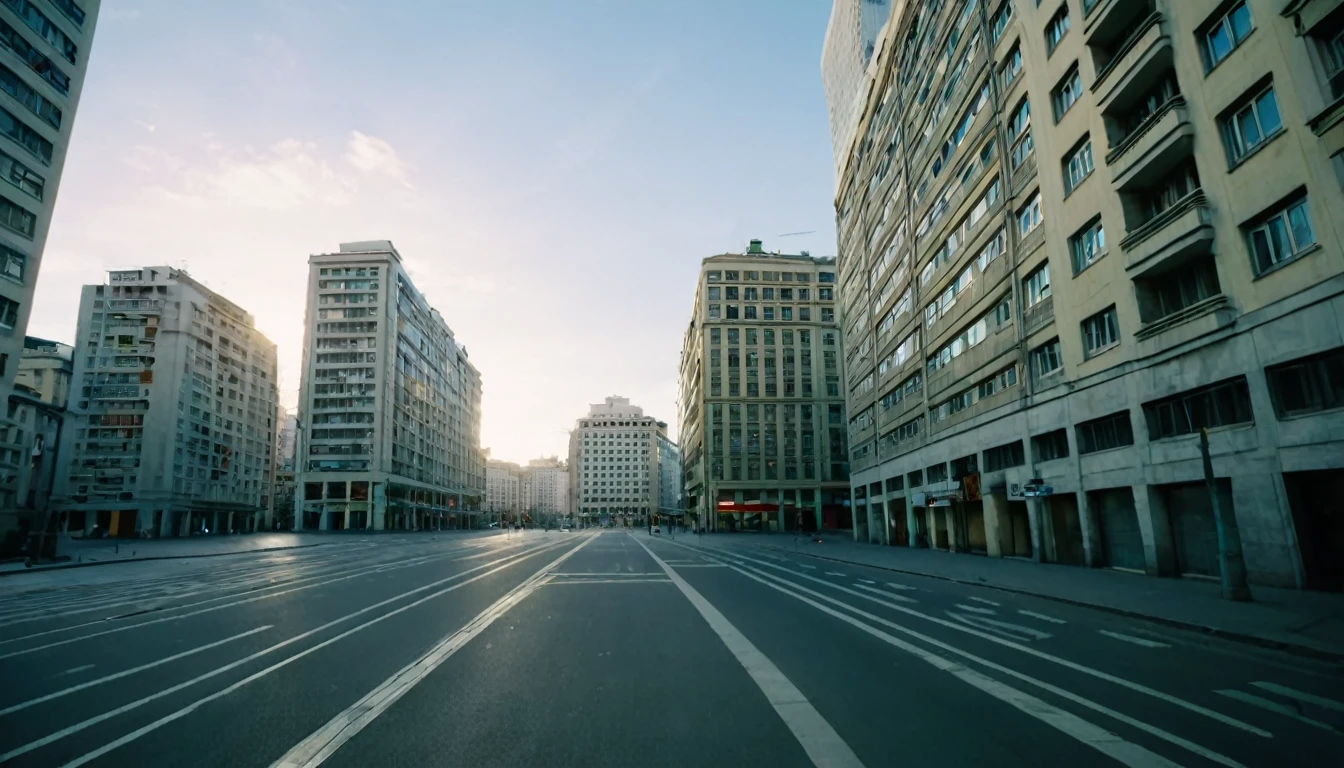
x,y
656,529
492,526
564,529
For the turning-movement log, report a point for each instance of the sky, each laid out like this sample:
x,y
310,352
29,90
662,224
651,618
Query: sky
x,y
552,172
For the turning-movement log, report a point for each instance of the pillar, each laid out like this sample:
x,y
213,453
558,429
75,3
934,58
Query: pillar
x,y
998,526
816,506
1089,521
931,520
1159,556
953,530
911,522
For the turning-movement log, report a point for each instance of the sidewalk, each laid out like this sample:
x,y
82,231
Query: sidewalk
x,y
1304,622
84,552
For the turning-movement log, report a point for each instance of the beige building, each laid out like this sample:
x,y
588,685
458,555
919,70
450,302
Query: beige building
x,y
1072,234
547,488
762,422
29,441
502,483
613,463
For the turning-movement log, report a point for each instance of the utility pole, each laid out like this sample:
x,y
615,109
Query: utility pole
x,y
1233,564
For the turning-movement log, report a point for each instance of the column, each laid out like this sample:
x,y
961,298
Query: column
x,y
997,525
1089,521
377,506
911,522
1159,556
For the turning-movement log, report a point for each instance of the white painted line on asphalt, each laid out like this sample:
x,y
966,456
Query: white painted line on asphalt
x,y
983,600
1134,640
1090,734
902,587
1043,617
597,574
1291,693
1272,706
1016,629
72,671
702,565
324,742
822,744
1152,729
557,582
506,561
968,620
128,672
828,573
974,609
865,581
902,598
808,567
1120,681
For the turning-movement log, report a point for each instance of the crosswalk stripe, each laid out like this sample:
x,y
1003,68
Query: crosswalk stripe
x,y
904,587
1272,707
1284,690
1017,631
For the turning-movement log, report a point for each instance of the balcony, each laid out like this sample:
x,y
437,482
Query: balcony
x,y
1153,148
1028,245
1180,232
999,343
985,284
1104,20
1038,316
1022,176
1138,64
1208,316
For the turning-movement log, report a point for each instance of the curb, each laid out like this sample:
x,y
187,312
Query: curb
x,y
1319,654
63,566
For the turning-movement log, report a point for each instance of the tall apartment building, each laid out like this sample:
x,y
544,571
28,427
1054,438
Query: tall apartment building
x,y
613,463
44,55
547,487
172,415
762,422
669,476
851,40
29,442
390,432
1074,233
502,482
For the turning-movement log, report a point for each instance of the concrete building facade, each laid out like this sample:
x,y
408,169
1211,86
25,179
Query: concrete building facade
x,y
547,488
44,57
172,415
851,39
762,422
613,463
503,501
1073,234
390,429
29,442
669,476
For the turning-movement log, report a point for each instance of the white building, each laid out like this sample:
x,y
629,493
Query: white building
x,y
613,462
390,432
502,499
669,476
46,53
851,36
172,411
547,482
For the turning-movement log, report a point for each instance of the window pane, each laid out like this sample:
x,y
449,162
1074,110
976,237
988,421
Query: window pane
x,y
1278,237
1250,132
1264,258
1219,45
1269,112
1300,220
1241,22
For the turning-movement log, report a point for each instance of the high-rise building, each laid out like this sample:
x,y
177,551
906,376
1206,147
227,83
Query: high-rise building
x,y
669,476
762,422
29,443
390,427
613,463
41,77
547,488
1074,235
502,482
172,417
851,38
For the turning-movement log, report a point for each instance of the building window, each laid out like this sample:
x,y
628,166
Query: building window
x,y
1224,34
1000,21
48,112
25,136
1281,236
1308,384
1046,360
1019,134
1078,165
1100,332
1330,42
1066,93
1251,124
1181,181
715,293
713,276
1171,292
1102,434
1038,285
21,176
1057,28
1029,216
13,264
1087,245
9,312
17,219
1005,456
1012,66
1050,446
1224,404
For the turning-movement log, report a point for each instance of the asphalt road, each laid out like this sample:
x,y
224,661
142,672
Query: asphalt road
x,y
617,649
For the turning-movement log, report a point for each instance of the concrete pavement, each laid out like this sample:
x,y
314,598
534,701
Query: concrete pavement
x,y
618,649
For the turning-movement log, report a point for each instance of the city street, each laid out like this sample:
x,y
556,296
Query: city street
x,y
617,648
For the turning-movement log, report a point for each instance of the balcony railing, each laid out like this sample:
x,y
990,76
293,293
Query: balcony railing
x,y
1139,30
1156,147
999,343
1038,316
1122,147
1146,53
1182,229
1198,309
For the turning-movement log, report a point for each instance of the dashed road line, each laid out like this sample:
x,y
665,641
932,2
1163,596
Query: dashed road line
x,y
1134,640
828,573
983,600
1291,693
902,587
1272,706
1043,617
865,581
976,609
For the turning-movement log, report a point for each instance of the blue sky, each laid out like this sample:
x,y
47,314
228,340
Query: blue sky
x,y
551,171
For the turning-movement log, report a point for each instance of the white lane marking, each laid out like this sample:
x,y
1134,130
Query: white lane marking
x,y
822,744
599,573
702,565
865,581
903,587
983,600
1134,640
557,582
1120,681
1017,629
808,567
242,601
1291,693
133,735
323,743
1088,733
125,673
1043,617
1272,706
1152,729
902,598
828,573
974,609
72,671
970,620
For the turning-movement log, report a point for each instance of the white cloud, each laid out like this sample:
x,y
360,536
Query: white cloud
x,y
374,155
